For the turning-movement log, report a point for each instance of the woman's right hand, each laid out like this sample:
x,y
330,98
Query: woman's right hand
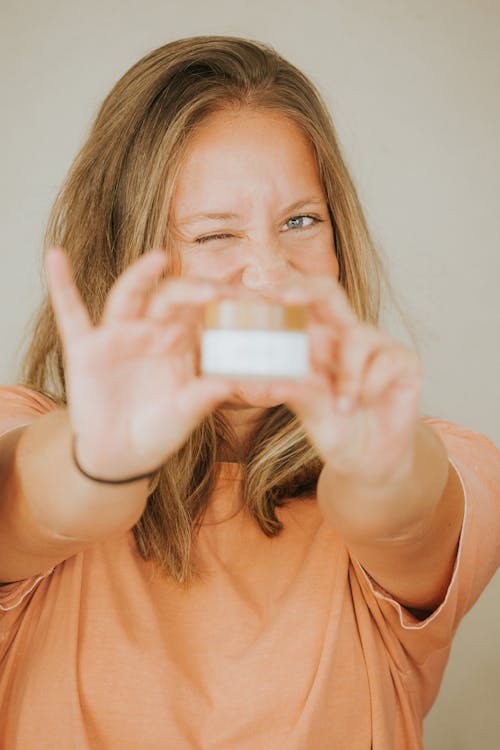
x,y
132,388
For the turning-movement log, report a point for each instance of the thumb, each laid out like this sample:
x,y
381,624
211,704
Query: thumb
x,y
203,394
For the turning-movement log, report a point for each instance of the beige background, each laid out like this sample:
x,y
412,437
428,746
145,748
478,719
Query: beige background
x,y
414,90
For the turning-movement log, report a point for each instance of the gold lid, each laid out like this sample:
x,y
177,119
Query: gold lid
x,y
255,314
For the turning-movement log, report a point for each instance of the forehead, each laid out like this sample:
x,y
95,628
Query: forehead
x,y
244,153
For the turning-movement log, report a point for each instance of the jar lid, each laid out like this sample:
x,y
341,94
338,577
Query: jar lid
x,y
255,314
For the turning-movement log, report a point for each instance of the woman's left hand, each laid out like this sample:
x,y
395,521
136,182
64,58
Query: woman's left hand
x,y
360,404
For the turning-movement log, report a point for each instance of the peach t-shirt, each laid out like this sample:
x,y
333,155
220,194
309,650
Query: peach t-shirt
x,y
287,645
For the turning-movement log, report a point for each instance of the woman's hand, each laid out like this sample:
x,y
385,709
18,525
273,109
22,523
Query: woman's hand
x,y
132,389
360,405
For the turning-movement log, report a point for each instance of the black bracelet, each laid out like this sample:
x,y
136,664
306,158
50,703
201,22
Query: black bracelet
x,y
106,481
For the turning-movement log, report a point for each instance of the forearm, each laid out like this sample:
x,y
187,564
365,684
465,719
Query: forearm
x,y
397,509
44,486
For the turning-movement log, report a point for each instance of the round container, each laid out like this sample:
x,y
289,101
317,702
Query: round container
x,y
255,338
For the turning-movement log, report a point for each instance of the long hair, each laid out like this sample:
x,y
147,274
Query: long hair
x,y
114,206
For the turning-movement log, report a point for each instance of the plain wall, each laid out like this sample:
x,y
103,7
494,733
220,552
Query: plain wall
x,y
414,92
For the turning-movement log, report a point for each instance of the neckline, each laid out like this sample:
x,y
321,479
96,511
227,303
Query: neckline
x,y
230,470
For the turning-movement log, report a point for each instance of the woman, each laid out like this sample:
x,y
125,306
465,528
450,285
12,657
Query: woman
x,y
198,561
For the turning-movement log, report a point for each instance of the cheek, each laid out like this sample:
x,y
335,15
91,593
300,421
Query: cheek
x,y
319,261
316,256
209,265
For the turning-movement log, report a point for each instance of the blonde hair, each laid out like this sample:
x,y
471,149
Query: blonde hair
x,y
114,206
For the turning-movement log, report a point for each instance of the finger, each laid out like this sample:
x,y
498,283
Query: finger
x,y
325,297
181,334
356,349
324,342
399,366
71,315
305,396
129,295
203,395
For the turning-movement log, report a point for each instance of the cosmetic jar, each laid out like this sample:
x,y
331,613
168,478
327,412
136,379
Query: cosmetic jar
x,y
246,338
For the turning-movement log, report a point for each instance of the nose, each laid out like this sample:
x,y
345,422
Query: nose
x,y
264,267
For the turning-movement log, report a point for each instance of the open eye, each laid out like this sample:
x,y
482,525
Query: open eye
x,y
299,222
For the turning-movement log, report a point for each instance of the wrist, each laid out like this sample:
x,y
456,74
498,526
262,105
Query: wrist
x,y
394,505
382,475
104,477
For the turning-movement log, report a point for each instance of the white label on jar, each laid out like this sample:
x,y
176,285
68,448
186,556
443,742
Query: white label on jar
x,y
267,353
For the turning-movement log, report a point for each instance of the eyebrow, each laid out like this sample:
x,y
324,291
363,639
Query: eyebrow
x,y
222,216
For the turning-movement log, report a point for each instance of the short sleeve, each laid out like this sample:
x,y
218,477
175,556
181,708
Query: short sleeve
x,y
20,406
477,462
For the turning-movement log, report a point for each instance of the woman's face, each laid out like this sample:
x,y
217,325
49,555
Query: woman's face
x,y
249,208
